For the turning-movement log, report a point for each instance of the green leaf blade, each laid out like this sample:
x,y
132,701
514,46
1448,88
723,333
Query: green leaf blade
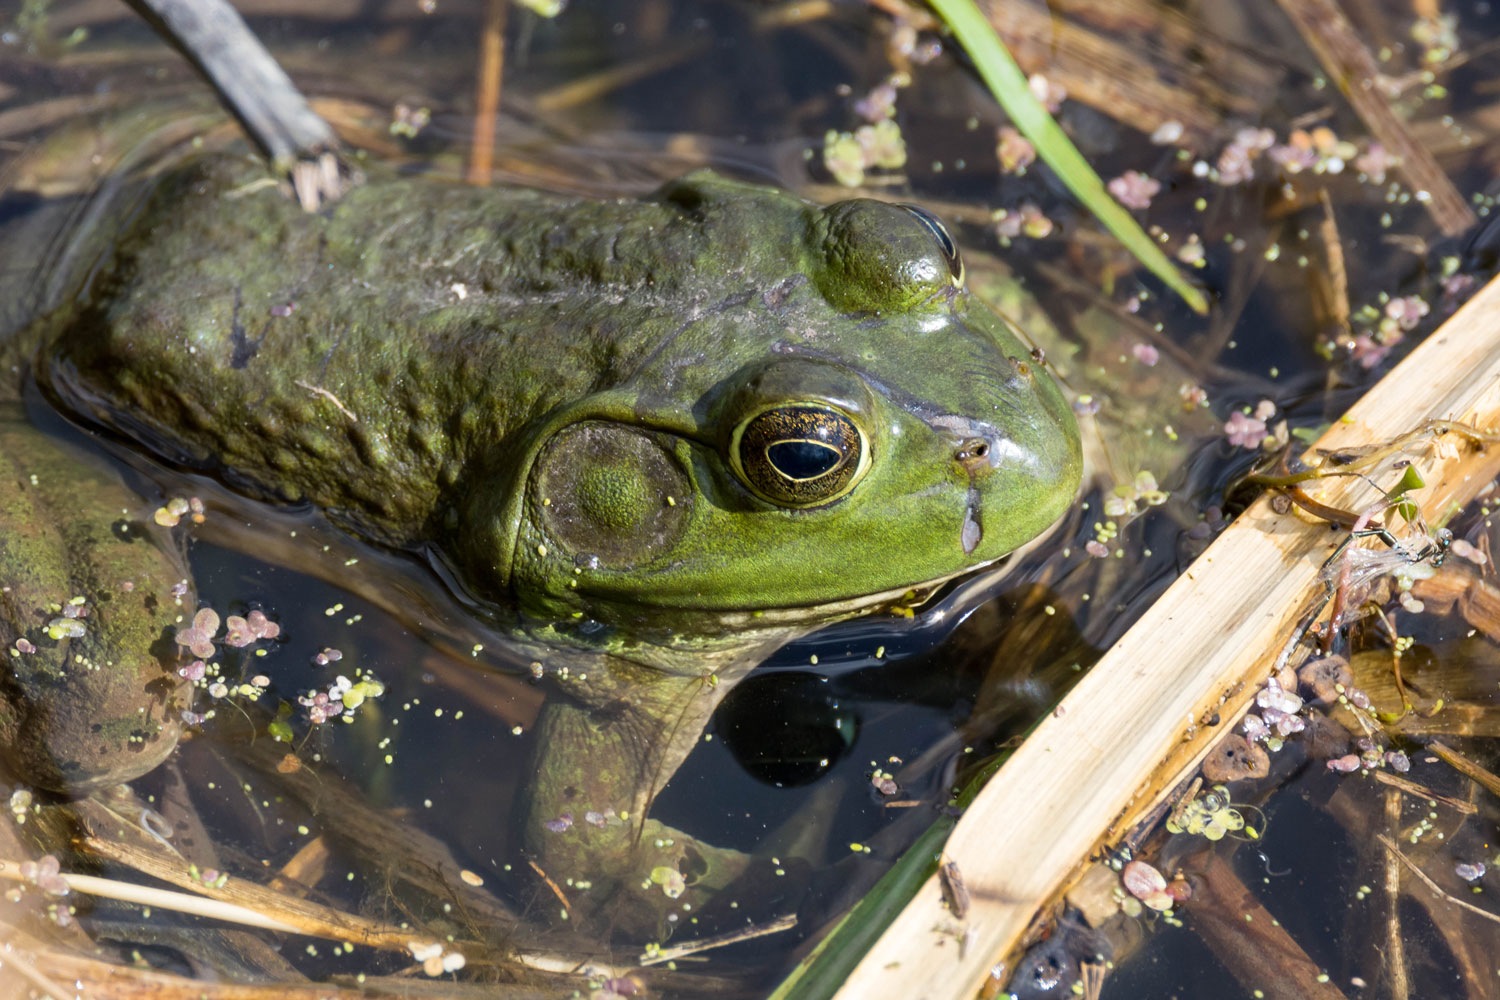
x,y
1006,81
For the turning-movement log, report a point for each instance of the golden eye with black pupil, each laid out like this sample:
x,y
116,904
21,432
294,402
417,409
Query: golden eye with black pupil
x,y
944,241
799,455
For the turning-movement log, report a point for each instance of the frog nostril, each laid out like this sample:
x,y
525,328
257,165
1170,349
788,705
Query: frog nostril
x,y
973,452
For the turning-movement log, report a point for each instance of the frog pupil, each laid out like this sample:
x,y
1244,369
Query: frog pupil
x,y
803,459
802,455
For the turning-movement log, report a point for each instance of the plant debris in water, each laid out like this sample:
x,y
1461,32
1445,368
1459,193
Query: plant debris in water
x,y
1224,181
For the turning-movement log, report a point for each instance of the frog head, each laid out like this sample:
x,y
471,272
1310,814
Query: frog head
x,y
838,423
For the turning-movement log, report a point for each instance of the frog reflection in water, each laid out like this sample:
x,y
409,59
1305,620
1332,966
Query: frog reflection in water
x,y
663,436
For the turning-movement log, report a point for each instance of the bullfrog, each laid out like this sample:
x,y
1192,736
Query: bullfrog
x,y
90,696
659,437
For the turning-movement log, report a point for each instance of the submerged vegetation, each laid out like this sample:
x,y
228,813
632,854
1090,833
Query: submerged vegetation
x,y
1324,171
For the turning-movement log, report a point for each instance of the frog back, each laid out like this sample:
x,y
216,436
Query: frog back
x,y
394,352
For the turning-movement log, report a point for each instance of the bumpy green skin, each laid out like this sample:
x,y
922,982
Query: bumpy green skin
x,y
542,393
82,712
650,315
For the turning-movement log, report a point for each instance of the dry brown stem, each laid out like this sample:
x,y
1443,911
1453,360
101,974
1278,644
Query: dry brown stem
x,y
165,899
288,913
1098,70
487,97
1332,282
91,979
1390,845
1469,768
1423,793
1353,68
1245,936
686,948
1395,944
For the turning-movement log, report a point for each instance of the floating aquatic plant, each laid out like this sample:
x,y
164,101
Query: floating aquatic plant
x,y
1013,91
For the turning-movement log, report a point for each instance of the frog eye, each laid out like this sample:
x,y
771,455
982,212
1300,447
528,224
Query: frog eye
x,y
944,241
800,455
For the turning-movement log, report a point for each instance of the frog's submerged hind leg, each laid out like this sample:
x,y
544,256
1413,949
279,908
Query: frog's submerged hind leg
x,y
89,693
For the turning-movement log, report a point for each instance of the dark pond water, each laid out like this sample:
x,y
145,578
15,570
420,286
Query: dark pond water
x,y
613,98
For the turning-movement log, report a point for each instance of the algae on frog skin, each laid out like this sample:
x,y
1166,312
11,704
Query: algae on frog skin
x,y
562,438
90,700
452,420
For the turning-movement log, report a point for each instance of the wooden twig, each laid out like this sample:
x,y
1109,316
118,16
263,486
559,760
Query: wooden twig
x,y
595,85
259,906
257,91
129,892
686,948
1249,941
324,393
487,96
1092,974
1390,845
1336,275
1351,66
1463,765
556,889
292,914
1395,945
1138,723
1424,793
92,979
1097,70
304,869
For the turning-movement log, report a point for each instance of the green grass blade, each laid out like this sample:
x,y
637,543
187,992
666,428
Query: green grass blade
x,y
823,971
1008,84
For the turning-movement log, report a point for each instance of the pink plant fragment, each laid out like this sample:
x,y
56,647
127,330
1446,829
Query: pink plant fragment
x,y
1142,880
198,637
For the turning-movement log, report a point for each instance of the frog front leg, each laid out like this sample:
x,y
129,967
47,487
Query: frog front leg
x,y
600,762
89,693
